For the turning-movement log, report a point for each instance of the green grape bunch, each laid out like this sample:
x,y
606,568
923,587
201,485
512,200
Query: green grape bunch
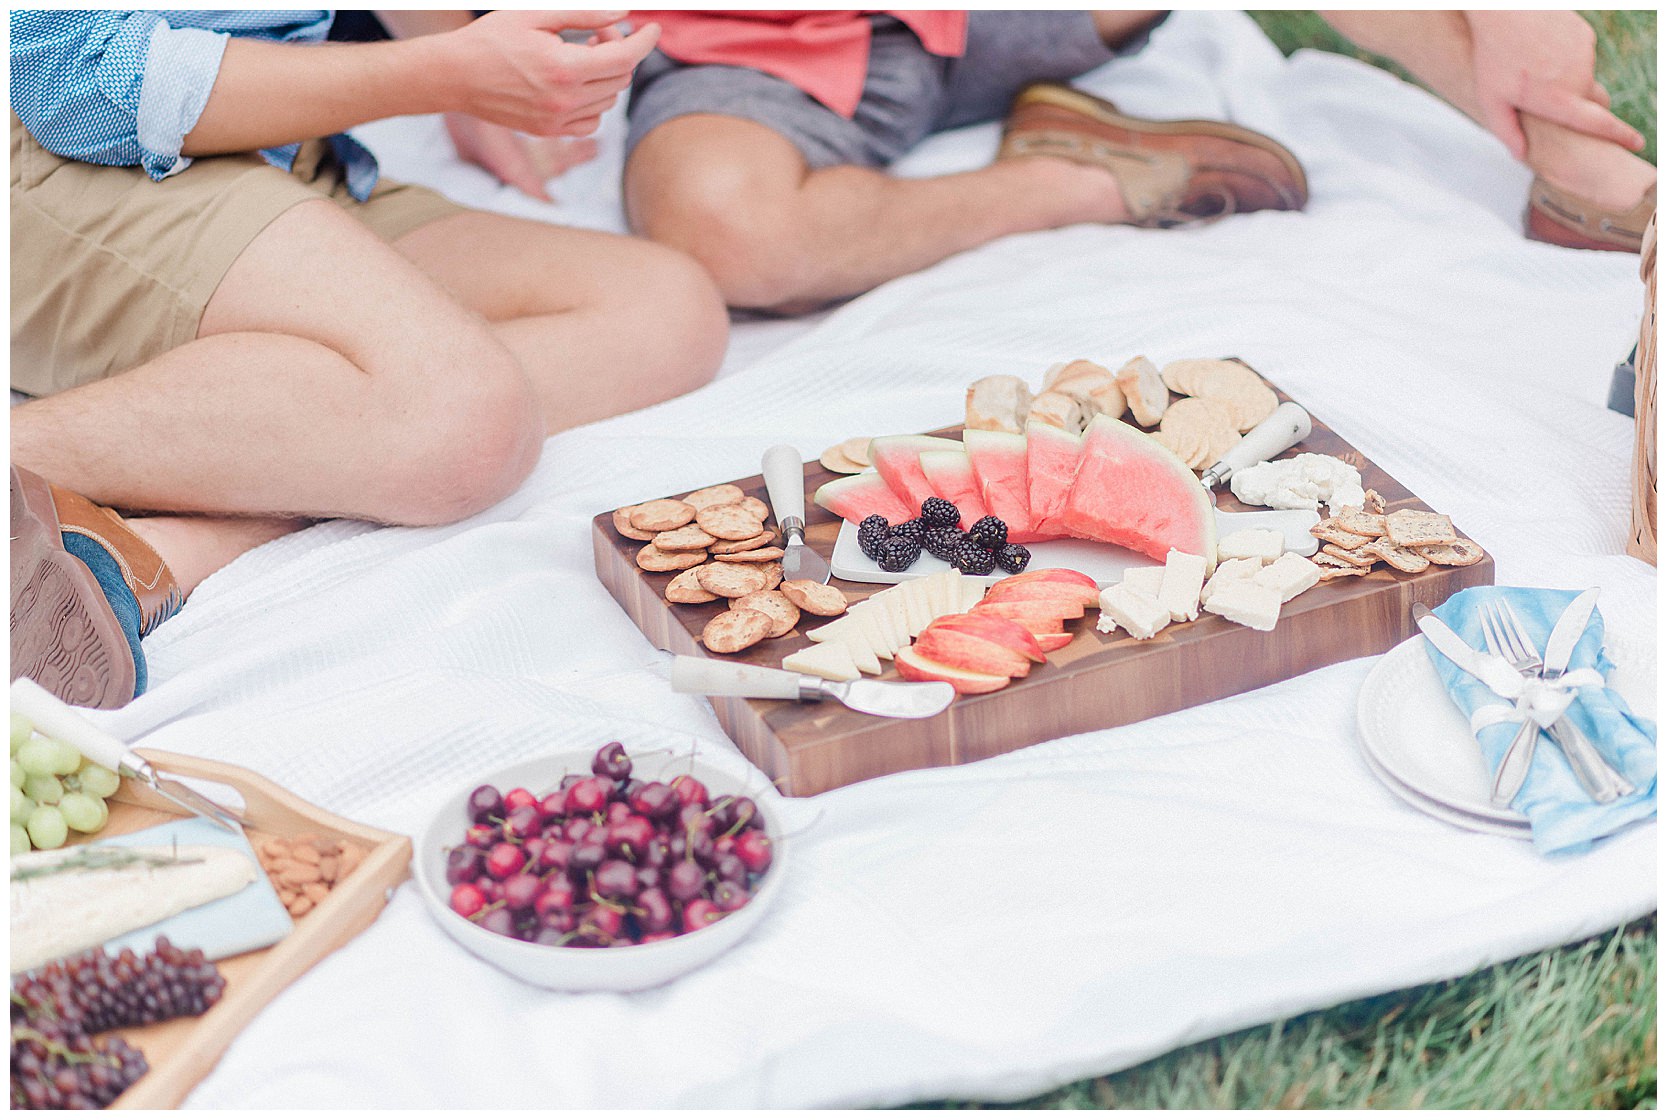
x,y
54,790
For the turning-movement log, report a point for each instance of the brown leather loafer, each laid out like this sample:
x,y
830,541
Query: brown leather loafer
x,y
1560,218
66,636
1171,172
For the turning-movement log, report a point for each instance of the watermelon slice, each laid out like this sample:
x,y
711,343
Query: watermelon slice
x,y
856,496
1050,465
1133,491
951,477
897,458
998,460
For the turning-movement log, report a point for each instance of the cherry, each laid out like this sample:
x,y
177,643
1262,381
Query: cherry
x,y
685,880
562,921
693,819
521,823
650,938
633,832
699,847
586,797
485,802
553,805
575,830
553,896
517,798
534,848
742,813
603,921
596,834
467,899
554,937
754,849
656,853
699,914
481,835
655,800
520,891
463,865
723,845
568,781
491,888
616,812
504,860
611,761
648,877
657,914
616,879
730,869
586,857
689,791
555,855
501,922
730,897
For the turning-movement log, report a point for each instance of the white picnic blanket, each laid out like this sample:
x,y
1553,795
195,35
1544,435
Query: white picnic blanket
x,y
995,929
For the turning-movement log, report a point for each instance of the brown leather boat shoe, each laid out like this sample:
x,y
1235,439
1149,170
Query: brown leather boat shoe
x,y
1560,218
85,588
1171,172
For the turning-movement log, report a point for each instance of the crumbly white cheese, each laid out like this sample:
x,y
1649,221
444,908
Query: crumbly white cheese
x,y
1141,615
1300,482
1183,578
1226,572
1290,575
1147,581
1246,602
1261,545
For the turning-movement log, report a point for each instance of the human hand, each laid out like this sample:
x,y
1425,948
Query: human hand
x,y
1542,63
512,68
524,162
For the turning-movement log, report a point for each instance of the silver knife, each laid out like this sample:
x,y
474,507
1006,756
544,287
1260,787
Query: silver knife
x,y
1571,626
704,676
1565,635
784,480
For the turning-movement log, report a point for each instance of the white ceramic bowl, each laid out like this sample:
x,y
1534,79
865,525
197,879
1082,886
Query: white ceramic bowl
x,y
624,969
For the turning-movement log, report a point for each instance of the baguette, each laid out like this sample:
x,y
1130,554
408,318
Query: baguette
x,y
1059,409
1092,384
1147,395
998,404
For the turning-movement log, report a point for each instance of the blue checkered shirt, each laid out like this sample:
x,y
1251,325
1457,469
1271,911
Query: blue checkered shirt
x,y
124,88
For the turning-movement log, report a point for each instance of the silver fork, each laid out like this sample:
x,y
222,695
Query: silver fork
x,y
1506,637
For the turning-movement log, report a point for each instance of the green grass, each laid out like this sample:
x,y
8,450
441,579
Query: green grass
x,y
1566,1028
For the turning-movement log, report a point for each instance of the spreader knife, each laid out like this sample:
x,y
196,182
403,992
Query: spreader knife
x,y
784,479
1571,626
1285,427
53,717
895,699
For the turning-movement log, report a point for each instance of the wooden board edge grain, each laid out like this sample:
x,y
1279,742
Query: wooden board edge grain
x,y
183,1055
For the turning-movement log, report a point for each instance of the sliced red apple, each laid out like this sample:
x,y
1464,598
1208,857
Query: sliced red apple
x,y
993,628
1012,608
911,666
1043,591
1051,642
1081,584
961,650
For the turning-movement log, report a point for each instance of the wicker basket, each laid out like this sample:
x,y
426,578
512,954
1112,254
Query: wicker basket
x,y
1642,542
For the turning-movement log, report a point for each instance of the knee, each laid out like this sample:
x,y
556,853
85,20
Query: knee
x,y
469,437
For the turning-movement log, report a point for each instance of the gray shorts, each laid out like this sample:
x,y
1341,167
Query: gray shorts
x,y
908,94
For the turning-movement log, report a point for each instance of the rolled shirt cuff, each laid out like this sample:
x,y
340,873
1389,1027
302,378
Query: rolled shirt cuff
x,y
180,67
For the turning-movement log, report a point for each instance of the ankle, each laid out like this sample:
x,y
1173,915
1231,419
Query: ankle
x,y
1073,192
1613,185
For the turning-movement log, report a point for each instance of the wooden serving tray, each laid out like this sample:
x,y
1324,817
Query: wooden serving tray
x,y
1097,681
182,1051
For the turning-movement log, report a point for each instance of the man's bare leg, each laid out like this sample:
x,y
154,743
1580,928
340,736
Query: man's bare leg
x,y
1435,47
738,197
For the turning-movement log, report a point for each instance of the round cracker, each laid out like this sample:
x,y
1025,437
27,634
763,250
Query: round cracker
x,y
1183,442
856,450
771,571
651,559
732,580
755,555
1223,379
773,603
815,598
662,514
1186,374
623,526
734,630
729,523
683,539
835,461
756,507
1195,412
725,548
685,588
1250,405
1460,554
723,494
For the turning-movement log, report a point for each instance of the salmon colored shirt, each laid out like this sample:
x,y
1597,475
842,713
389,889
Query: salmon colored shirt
x,y
823,53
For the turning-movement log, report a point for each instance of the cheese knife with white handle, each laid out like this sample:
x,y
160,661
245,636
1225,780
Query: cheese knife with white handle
x,y
784,479
893,699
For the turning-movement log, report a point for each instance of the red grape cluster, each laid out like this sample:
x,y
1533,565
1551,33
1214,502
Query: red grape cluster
x,y
606,859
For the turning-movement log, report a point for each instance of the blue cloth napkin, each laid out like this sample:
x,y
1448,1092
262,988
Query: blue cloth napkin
x,y
1562,816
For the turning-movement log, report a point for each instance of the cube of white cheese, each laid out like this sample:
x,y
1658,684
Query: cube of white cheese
x,y
1226,572
829,660
1290,575
1183,578
1141,615
1246,602
1147,581
1261,545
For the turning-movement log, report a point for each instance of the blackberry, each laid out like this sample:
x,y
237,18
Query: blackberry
x,y
913,530
988,532
972,559
871,533
898,554
938,513
942,542
1013,557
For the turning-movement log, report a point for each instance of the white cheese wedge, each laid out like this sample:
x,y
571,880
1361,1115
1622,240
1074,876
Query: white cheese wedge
x,y
1246,602
1147,581
1226,572
82,904
1290,575
1141,615
1263,545
894,616
831,661
870,617
862,651
946,593
1183,579
837,630
916,607
972,592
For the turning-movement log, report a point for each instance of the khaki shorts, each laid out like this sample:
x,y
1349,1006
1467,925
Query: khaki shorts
x,y
111,268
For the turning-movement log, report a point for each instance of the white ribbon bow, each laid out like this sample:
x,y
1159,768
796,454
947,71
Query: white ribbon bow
x,y
1541,701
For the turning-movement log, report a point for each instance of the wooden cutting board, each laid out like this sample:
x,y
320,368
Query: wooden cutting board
x,y
1097,681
